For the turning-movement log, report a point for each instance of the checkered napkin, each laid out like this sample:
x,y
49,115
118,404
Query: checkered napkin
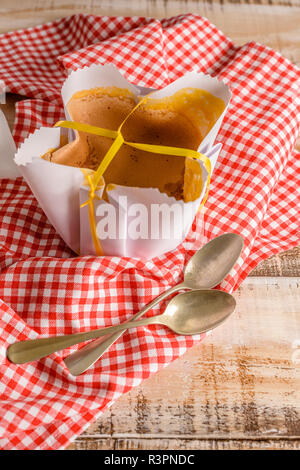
x,y
47,290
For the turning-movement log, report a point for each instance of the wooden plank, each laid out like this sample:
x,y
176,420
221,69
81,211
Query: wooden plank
x,y
283,264
184,444
240,388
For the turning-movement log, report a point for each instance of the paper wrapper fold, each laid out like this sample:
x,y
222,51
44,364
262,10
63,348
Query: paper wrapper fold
x,y
60,189
8,168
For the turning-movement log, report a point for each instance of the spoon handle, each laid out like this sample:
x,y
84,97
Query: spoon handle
x,y
31,350
79,361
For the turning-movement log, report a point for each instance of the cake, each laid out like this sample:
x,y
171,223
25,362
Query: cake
x,y
181,120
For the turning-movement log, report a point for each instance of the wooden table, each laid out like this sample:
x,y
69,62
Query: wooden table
x,y
240,388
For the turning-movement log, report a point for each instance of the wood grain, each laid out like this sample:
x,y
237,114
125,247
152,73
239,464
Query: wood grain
x,y
185,444
283,264
240,388
146,443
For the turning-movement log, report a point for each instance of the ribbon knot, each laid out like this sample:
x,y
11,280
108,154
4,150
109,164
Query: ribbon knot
x,y
90,204
92,192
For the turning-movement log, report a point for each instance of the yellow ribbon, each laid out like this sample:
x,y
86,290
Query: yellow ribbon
x,y
94,179
90,203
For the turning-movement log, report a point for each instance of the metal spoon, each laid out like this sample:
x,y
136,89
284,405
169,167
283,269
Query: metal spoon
x,y
206,269
186,314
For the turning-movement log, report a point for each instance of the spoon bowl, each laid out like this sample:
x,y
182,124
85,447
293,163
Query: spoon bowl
x,y
196,312
211,264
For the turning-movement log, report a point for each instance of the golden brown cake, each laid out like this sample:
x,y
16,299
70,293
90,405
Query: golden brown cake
x,y
181,120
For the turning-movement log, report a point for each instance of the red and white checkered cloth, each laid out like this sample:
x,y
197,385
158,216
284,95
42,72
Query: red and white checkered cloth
x,y
46,290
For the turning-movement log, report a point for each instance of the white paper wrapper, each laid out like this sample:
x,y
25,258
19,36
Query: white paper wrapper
x,y
60,189
8,168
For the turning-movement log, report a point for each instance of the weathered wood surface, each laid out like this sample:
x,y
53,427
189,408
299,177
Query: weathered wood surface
x,y
283,264
147,443
239,389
